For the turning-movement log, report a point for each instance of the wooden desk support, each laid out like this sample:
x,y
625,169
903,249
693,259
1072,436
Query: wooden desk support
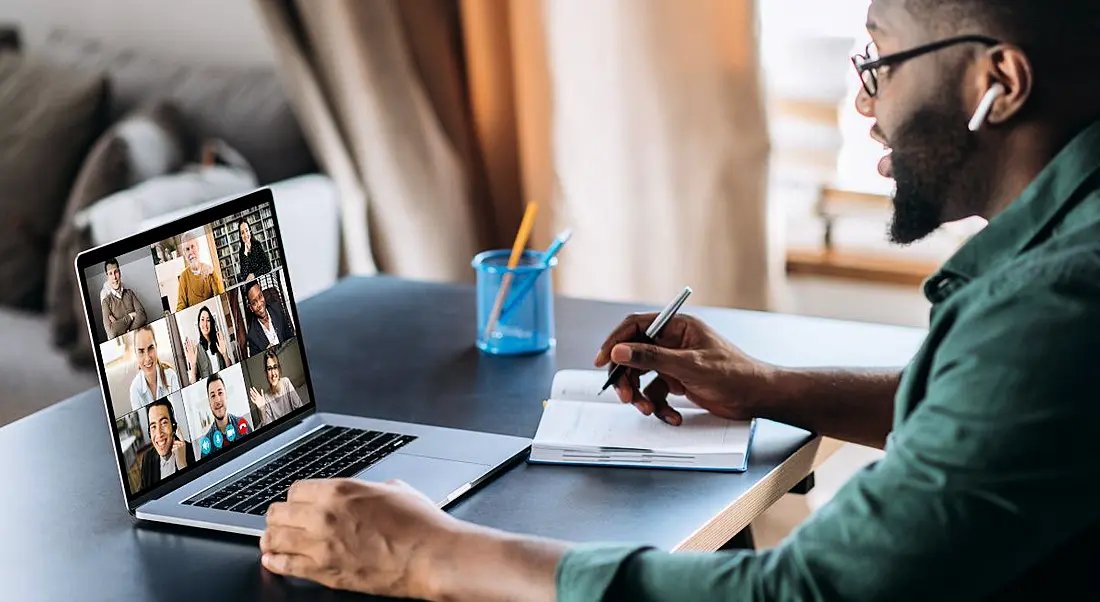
x,y
740,513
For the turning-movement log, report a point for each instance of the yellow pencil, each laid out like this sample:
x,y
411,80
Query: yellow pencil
x,y
513,260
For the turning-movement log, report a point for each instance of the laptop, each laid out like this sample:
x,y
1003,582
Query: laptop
x,y
207,387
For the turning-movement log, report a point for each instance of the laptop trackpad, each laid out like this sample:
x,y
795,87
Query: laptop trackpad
x,y
434,477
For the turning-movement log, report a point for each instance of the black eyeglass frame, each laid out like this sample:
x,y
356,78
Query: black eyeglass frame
x,y
864,64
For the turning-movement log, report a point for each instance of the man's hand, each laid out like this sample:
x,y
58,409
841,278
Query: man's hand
x,y
690,359
250,276
179,449
376,538
205,270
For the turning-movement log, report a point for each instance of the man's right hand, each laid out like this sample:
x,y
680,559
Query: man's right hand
x,y
690,359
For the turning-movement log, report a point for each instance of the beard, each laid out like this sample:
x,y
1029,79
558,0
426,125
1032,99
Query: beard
x,y
934,162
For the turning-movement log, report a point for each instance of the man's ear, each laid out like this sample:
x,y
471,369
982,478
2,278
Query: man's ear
x,y
1008,66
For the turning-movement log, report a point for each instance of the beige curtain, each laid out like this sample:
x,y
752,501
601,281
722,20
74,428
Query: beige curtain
x,y
637,123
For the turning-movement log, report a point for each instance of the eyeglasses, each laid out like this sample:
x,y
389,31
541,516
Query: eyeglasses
x,y
867,64
272,368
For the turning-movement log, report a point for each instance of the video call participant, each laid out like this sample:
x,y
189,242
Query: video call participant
x,y
224,430
279,397
122,310
252,257
172,453
269,324
210,354
197,281
155,379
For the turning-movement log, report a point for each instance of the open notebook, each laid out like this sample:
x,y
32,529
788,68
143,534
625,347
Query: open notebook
x,y
579,426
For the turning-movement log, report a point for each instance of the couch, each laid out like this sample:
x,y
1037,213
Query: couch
x,y
242,108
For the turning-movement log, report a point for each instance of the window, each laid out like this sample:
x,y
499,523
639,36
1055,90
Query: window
x,y
819,139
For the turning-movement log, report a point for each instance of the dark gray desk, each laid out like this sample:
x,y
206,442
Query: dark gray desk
x,y
393,349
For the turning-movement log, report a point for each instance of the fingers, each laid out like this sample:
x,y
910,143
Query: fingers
x,y
291,565
657,394
627,387
319,490
673,335
298,515
311,490
675,387
651,357
278,539
626,330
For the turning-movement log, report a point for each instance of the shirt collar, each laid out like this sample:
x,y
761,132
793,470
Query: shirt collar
x,y
145,385
1013,231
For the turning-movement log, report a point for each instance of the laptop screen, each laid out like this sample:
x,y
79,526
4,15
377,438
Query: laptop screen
x,y
197,339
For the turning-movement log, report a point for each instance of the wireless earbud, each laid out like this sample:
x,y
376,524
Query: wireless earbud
x,y
995,92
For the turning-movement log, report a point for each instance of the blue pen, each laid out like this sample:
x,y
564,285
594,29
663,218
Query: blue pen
x,y
549,254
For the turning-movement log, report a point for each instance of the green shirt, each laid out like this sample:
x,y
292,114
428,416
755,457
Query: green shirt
x,y
989,488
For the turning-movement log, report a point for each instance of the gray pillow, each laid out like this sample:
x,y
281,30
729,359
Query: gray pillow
x,y
125,212
244,106
50,117
148,143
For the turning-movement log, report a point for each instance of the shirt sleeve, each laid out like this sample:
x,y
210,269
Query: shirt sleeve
x,y
139,312
181,294
978,485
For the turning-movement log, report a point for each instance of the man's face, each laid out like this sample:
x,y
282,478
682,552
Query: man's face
x,y
114,277
216,393
160,429
921,117
191,253
257,303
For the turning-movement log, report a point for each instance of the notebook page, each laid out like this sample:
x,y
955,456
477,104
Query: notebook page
x,y
584,385
584,424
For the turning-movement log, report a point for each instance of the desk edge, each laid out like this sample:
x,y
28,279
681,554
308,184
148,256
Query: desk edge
x,y
740,513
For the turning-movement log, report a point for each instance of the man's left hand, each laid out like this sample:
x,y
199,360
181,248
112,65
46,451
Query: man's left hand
x,y
377,538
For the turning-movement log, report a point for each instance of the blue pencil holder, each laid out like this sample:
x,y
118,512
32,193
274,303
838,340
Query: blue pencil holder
x,y
524,321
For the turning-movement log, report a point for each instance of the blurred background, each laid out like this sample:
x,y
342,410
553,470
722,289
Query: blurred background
x,y
704,142
709,142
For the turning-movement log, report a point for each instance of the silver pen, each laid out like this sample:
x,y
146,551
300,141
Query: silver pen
x,y
651,333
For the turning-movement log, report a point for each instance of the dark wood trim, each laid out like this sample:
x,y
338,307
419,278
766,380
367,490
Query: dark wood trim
x,y
860,267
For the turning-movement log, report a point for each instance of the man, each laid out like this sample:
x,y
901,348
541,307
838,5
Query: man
x,y
226,428
197,281
988,487
269,326
172,454
121,308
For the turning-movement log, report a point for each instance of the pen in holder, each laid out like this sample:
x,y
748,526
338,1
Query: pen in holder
x,y
525,318
531,279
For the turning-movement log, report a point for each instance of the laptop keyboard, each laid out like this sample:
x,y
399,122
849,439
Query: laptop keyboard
x,y
331,452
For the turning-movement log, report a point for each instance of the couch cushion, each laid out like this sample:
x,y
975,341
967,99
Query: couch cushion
x,y
246,107
146,144
50,117
33,373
